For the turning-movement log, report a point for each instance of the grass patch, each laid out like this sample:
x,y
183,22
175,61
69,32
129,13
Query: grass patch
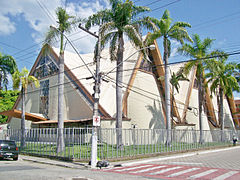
x,y
108,151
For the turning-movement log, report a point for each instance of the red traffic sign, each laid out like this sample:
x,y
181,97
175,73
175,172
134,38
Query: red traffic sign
x,y
96,121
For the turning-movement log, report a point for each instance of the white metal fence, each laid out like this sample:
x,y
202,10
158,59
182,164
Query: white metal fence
x,y
135,142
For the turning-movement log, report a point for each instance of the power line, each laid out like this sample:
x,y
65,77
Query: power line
x,y
136,1
166,5
135,91
51,17
54,86
8,45
151,66
44,8
112,80
185,61
214,20
22,56
160,101
152,3
234,53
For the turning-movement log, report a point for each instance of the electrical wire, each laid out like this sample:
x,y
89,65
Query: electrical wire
x,y
73,40
46,11
185,61
160,101
151,66
51,17
152,3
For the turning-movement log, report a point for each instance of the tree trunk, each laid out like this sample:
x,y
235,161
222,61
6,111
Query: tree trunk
x,y
200,99
0,81
23,120
60,143
221,113
218,104
167,92
172,112
119,77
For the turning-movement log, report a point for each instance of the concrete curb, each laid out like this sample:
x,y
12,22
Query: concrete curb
x,y
53,162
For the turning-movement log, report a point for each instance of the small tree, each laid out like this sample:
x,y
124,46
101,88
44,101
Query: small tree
x,y
174,81
175,78
23,79
222,81
236,72
176,31
198,50
65,23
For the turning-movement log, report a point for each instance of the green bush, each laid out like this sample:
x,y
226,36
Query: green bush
x,y
7,100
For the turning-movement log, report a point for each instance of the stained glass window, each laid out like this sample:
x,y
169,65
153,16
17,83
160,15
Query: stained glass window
x,y
146,65
45,67
44,97
195,85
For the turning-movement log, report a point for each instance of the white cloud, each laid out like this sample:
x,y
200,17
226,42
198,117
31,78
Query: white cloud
x,y
236,95
40,14
7,27
175,45
222,42
30,11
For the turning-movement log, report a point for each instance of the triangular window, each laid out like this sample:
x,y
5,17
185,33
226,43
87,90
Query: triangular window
x,y
45,67
146,65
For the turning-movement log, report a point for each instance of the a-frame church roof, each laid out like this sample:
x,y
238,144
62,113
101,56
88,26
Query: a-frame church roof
x,y
80,77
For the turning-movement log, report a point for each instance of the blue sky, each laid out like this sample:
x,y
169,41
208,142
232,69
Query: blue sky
x,y
25,22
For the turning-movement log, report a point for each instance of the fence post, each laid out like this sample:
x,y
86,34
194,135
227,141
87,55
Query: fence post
x,y
73,143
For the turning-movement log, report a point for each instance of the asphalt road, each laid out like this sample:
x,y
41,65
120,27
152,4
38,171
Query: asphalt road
x,y
26,170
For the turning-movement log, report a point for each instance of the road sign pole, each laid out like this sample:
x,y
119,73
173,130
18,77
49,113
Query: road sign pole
x,y
95,110
96,99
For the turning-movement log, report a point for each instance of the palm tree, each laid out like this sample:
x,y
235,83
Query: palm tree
x,y
222,81
7,66
23,79
175,78
236,72
121,19
65,23
177,31
198,50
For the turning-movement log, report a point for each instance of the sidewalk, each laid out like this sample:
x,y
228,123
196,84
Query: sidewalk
x,y
74,165
79,165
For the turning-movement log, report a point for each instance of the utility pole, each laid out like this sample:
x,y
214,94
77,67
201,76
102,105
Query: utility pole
x,y
96,88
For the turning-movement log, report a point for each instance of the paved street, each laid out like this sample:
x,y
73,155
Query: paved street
x,y
27,170
219,164
227,159
176,171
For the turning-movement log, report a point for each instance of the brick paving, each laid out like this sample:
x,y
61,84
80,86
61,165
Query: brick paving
x,y
229,159
168,171
218,165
